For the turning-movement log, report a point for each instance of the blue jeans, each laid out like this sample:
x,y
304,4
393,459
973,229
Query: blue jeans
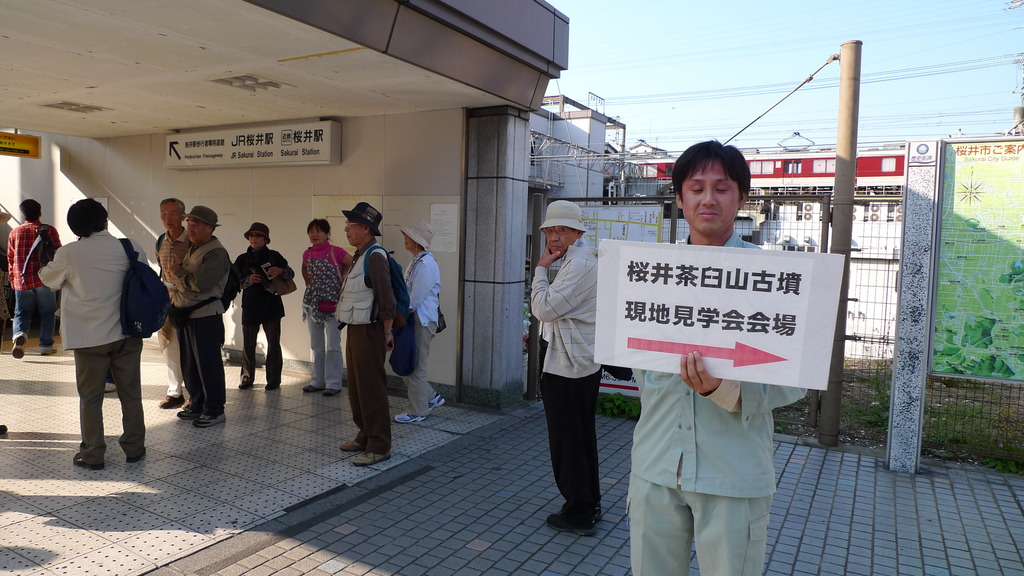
x,y
27,302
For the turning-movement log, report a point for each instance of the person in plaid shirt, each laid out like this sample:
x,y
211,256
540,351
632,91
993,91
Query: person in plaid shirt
x,y
30,295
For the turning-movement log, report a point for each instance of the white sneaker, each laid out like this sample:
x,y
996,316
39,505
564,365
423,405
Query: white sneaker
x,y
434,402
406,418
19,345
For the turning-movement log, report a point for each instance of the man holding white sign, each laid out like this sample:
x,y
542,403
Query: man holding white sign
x,y
702,451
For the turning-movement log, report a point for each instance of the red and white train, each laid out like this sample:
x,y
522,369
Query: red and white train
x,y
879,171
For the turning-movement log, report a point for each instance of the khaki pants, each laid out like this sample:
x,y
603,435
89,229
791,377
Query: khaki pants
x,y
419,389
122,358
665,522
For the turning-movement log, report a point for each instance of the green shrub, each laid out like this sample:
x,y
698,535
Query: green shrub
x,y
618,405
1005,466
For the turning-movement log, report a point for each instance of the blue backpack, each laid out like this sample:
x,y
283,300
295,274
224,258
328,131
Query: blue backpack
x,y
144,299
398,287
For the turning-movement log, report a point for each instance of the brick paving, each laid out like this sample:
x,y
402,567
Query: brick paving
x,y
477,506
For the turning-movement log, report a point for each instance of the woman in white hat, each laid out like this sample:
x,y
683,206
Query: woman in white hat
x,y
423,278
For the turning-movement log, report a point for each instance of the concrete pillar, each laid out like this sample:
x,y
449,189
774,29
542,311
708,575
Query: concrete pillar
x,y
496,224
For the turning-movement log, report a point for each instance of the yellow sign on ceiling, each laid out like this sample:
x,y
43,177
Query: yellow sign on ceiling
x,y
21,145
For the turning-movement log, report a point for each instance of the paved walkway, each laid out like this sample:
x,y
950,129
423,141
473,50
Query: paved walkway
x,y
467,493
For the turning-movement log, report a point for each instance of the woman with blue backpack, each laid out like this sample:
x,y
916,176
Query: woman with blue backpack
x,y
423,279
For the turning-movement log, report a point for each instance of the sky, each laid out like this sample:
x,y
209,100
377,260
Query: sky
x,y
678,72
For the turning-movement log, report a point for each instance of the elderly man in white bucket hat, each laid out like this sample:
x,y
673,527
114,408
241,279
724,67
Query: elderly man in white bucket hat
x,y
570,378
423,278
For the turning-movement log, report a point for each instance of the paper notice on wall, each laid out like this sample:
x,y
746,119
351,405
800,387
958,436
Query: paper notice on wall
x,y
444,221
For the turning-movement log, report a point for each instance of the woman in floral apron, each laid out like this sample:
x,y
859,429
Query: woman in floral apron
x,y
323,267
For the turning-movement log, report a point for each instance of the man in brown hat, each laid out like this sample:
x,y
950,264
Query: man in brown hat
x,y
367,307
201,278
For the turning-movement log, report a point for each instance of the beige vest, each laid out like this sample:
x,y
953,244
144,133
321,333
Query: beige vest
x,y
356,303
192,263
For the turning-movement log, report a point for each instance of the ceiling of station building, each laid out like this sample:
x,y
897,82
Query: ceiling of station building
x,y
150,66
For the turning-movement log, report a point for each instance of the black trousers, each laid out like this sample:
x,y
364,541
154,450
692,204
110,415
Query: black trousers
x,y
569,405
272,328
202,365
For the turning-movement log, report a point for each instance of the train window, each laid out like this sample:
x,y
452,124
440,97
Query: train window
x,y
793,166
888,164
830,165
762,167
819,166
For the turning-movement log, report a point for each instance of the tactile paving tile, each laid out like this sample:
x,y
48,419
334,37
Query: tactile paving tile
x,y
419,440
110,518
14,510
165,543
219,520
266,502
149,493
183,504
13,563
344,472
195,478
111,559
267,448
309,460
49,540
309,485
52,494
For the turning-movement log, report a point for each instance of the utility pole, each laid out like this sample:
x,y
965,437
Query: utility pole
x,y
842,228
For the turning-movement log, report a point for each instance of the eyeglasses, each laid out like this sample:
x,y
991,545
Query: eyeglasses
x,y
559,231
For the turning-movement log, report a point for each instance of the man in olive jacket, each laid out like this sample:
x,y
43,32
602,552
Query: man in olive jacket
x,y
201,278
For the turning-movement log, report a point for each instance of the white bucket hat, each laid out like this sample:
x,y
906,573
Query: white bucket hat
x,y
564,213
420,233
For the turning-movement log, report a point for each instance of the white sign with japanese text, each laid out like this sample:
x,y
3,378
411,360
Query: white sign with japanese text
x,y
754,315
280,144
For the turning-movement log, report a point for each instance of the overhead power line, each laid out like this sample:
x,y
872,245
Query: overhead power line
x,y
830,60
868,78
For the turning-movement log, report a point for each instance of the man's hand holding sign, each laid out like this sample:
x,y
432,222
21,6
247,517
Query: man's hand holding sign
x,y
718,334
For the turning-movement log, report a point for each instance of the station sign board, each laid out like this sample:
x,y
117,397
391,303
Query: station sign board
x,y
278,144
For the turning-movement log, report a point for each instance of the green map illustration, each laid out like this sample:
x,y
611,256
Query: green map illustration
x,y
979,311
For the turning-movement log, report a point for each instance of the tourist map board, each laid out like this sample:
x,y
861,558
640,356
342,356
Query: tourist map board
x,y
979,296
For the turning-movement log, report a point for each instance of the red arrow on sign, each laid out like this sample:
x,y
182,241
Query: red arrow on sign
x,y
741,355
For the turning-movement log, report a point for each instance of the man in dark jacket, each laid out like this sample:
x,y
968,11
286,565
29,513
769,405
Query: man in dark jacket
x,y
258,268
